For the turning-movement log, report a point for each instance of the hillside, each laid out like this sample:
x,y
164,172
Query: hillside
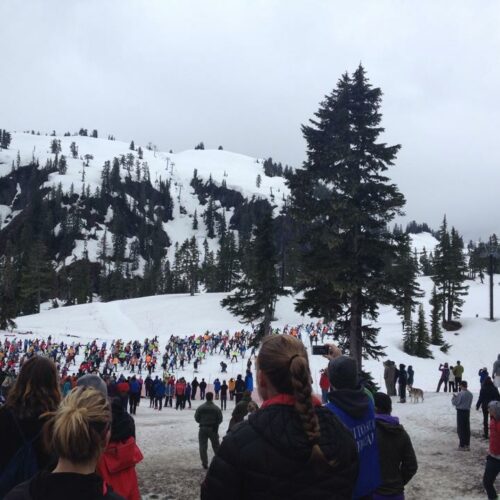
x,y
89,218
475,344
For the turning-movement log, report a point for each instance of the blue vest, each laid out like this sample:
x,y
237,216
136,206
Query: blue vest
x,y
363,430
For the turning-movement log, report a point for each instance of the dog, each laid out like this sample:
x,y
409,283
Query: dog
x,y
416,394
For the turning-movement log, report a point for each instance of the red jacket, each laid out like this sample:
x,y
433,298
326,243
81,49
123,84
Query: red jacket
x,y
117,468
180,387
324,383
494,437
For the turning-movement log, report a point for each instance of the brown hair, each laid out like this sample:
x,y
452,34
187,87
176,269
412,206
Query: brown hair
x,y
36,390
78,428
283,359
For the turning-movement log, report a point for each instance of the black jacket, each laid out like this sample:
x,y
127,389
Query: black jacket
x,y
267,458
398,463
487,394
62,486
11,440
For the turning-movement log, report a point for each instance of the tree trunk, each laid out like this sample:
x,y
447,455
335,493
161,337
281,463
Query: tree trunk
x,y
355,335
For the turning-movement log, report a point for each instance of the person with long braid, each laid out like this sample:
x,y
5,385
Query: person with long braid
x,y
292,447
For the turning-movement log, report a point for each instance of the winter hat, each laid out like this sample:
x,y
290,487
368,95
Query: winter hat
x,y
383,403
494,407
93,381
343,373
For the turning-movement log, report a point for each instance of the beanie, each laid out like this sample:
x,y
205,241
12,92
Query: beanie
x,y
383,403
494,407
93,381
343,373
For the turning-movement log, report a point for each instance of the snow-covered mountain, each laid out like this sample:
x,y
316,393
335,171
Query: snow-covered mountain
x,y
234,171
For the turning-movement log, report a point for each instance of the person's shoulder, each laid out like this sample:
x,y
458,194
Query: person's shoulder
x,y
20,492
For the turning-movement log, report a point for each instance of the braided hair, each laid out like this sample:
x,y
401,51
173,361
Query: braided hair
x,y
283,359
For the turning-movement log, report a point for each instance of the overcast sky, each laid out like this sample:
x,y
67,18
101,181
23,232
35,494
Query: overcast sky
x,y
247,74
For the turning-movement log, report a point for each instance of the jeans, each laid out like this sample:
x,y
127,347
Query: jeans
x,y
463,427
491,471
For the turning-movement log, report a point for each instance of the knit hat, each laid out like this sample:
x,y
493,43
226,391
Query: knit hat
x,y
494,407
93,381
383,403
343,373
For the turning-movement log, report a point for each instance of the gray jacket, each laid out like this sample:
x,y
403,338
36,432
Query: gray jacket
x,y
496,367
462,400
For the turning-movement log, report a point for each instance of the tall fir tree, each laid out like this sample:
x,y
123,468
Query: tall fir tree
x,y
436,331
254,299
345,203
422,336
404,275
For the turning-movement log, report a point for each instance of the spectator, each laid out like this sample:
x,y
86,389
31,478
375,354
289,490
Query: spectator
x,y
78,433
492,467
350,403
35,393
463,402
209,417
308,452
458,371
487,394
398,463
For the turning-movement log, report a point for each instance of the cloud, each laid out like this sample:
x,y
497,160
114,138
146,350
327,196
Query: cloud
x,y
245,74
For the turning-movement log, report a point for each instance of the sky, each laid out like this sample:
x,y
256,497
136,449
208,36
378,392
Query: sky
x,y
245,74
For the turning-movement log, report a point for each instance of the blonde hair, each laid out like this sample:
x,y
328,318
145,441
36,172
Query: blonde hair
x,y
283,359
77,431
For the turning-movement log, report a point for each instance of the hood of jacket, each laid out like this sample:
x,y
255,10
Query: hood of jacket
x,y
281,426
388,423
121,455
354,402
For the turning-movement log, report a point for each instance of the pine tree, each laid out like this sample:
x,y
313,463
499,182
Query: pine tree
x,y
209,217
62,165
74,149
195,221
436,332
404,276
422,336
132,146
258,182
344,204
256,293
409,338
449,272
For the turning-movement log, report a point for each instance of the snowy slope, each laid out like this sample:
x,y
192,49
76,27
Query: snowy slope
x,y
423,240
475,345
239,172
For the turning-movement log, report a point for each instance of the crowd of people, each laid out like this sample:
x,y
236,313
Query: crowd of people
x,y
349,442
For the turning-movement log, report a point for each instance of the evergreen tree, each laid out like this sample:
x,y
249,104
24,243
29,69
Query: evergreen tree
x,y
132,146
8,301
436,332
62,165
404,276
74,149
449,272
209,217
255,297
409,340
422,336
5,139
195,221
344,203
258,182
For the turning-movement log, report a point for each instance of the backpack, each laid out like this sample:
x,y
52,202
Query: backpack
x,y
22,466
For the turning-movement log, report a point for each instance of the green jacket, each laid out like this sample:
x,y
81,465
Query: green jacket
x,y
458,371
208,415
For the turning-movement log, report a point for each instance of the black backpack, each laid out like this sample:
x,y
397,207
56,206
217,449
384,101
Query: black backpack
x,y
22,466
